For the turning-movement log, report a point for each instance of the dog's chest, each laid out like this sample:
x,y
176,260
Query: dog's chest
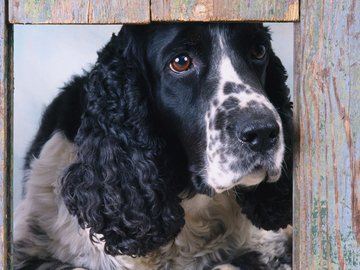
x,y
214,229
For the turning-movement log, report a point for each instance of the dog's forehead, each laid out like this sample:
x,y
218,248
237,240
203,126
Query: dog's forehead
x,y
177,34
219,50
199,33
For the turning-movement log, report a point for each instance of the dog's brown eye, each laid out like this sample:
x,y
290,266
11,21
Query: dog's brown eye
x,y
181,63
258,52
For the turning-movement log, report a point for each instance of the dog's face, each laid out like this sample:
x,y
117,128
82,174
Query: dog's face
x,y
166,100
209,84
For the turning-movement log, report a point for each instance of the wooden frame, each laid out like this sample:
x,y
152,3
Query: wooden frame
x,y
6,108
327,122
326,98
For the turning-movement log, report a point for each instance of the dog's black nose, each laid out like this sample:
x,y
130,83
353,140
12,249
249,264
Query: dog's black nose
x,y
260,135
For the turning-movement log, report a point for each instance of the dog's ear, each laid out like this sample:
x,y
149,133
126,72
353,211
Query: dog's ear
x,y
120,186
269,205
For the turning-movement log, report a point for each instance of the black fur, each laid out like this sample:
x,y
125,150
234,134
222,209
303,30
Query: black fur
x,y
64,113
121,185
136,149
269,205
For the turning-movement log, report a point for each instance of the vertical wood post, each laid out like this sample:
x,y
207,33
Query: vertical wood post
x,y
327,153
6,94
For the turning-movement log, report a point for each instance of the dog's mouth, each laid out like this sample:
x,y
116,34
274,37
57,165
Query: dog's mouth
x,y
254,177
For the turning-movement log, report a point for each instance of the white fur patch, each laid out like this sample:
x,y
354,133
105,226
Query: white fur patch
x,y
227,73
253,179
214,226
226,267
68,242
218,173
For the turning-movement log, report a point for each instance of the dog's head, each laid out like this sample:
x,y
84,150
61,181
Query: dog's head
x,y
209,84
171,107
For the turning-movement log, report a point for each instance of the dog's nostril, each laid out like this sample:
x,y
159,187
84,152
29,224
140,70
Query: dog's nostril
x,y
275,132
260,136
230,127
249,136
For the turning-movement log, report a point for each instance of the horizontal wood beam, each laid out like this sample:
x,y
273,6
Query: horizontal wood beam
x,y
225,10
79,11
138,11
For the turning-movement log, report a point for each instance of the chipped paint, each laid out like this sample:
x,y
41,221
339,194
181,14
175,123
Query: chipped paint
x,y
6,93
326,112
233,10
79,11
292,12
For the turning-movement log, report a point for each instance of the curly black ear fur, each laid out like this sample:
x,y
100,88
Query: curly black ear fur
x,y
120,186
269,205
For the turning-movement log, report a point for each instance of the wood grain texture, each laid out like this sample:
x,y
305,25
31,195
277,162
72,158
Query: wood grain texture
x,y
225,10
2,124
79,11
327,159
6,83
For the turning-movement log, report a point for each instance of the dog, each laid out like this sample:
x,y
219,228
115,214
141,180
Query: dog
x,y
172,152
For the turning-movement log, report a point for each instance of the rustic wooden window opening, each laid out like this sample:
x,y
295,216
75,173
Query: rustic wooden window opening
x,y
326,106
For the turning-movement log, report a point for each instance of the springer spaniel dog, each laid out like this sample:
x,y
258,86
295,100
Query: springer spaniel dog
x,y
172,152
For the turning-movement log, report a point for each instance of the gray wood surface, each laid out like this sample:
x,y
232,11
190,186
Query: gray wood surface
x,y
327,158
225,10
6,88
138,11
79,11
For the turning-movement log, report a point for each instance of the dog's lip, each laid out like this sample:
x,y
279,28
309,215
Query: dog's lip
x,y
273,175
260,173
253,178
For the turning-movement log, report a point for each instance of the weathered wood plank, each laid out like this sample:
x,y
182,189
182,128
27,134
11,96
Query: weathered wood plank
x,y
327,159
79,11
228,10
6,83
